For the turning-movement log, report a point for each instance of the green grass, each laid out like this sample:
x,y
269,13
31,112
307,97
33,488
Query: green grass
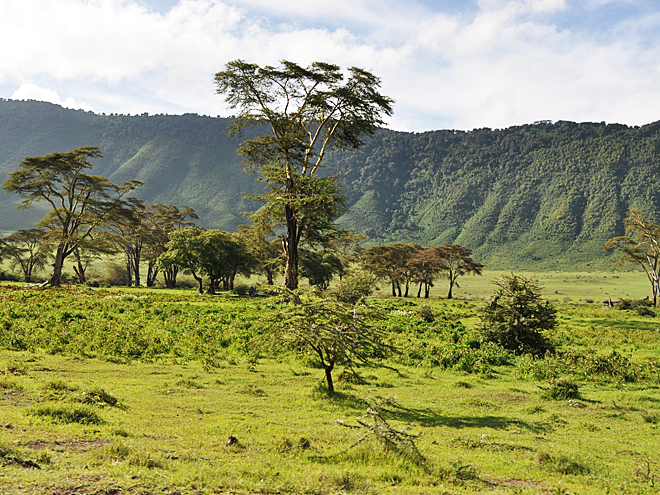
x,y
141,393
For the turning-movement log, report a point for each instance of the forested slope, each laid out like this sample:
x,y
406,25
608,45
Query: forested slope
x,y
534,196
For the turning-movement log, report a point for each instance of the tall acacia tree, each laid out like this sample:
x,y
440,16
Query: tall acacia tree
x,y
641,246
81,203
306,111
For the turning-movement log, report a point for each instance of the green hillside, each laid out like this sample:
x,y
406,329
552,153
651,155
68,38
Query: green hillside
x,y
541,196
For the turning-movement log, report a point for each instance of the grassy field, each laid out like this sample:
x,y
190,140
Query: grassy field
x,y
153,391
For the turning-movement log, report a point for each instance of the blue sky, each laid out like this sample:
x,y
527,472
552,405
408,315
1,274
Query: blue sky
x,y
447,63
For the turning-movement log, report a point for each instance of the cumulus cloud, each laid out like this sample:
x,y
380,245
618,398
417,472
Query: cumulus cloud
x,y
498,63
30,91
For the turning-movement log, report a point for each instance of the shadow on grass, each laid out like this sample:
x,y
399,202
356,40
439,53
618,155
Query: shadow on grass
x,y
429,418
341,399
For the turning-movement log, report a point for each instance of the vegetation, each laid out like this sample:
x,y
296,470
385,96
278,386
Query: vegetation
x,y
536,197
81,204
158,391
515,316
641,246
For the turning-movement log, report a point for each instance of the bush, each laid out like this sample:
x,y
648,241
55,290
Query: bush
x,y
514,316
353,288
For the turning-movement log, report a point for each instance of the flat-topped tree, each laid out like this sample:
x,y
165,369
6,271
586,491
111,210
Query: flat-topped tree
x,y
306,111
81,203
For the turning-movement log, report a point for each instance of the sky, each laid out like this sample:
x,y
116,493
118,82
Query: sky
x,y
448,64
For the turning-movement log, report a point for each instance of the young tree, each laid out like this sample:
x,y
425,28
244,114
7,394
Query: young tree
x,y
28,249
337,333
307,112
81,203
184,252
641,246
514,317
456,261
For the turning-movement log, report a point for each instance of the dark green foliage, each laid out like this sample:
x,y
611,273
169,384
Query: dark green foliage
x,y
514,317
353,287
319,267
533,196
641,306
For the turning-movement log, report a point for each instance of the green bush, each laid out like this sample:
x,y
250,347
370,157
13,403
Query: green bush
x,y
514,317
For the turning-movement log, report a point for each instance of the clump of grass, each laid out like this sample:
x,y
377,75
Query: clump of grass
x,y
59,386
562,464
651,418
352,377
121,432
254,391
462,384
143,460
99,397
67,414
189,383
17,368
561,390
9,384
288,446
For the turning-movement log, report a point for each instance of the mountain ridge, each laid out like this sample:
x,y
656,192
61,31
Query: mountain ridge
x,y
536,196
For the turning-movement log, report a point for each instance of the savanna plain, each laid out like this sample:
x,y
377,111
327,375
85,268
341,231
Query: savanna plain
x,y
150,391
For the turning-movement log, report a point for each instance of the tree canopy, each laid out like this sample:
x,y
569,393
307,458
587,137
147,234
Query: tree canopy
x,y
81,203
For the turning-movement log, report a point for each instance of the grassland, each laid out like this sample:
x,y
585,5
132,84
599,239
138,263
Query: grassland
x,y
141,391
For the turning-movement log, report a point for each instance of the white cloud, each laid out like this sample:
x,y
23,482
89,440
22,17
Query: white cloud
x,y
30,91
507,62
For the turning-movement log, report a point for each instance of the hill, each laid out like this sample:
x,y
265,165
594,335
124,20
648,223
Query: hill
x,y
541,196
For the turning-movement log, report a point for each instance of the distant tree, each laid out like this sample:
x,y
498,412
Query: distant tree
x,y
91,250
81,203
320,267
390,262
184,252
337,333
515,316
346,247
218,255
456,261
640,246
158,222
30,250
426,265
267,253
308,111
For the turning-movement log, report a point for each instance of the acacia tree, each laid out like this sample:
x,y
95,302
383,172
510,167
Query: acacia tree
x,y
425,265
28,249
456,261
641,246
337,333
307,112
81,203
390,262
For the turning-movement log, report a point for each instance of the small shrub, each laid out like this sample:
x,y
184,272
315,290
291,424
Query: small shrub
x,y
514,317
241,290
426,313
561,390
17,368
9,384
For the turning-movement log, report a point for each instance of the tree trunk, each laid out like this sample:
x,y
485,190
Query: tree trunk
x,y
170,276
328,378
419,292
451,287
199,281
212,284
398,288
269,275
393,289
79,269
291,240
407,288
56,278
152,273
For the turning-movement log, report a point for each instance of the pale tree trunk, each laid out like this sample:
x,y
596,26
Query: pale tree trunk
x,y
79,269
